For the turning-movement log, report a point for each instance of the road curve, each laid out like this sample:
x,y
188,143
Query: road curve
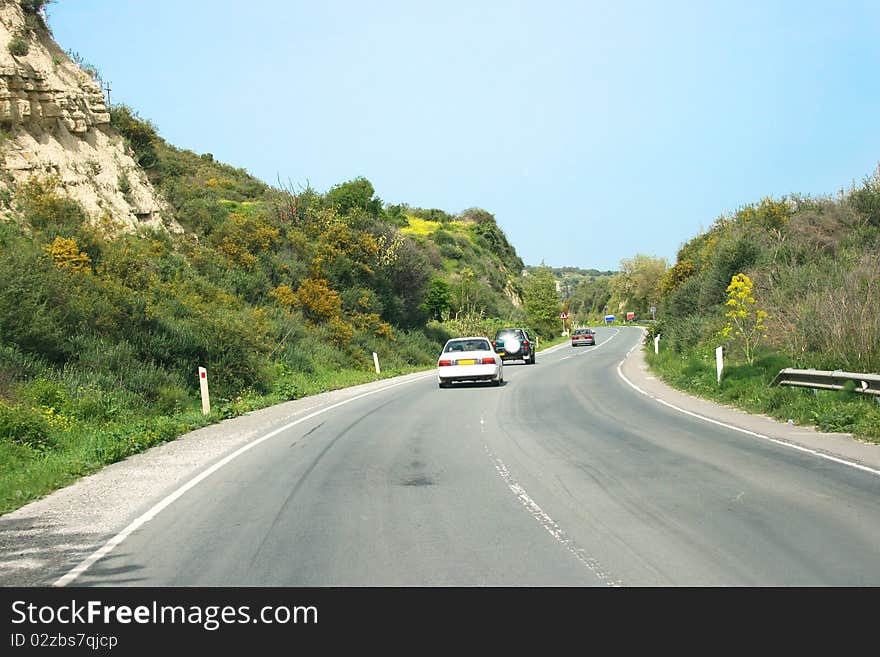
x,y
564,476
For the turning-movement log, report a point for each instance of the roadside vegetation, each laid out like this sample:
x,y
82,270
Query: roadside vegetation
x,y
788,282
278,292
748,387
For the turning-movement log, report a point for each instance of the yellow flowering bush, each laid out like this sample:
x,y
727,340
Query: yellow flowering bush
x,y
66,254
745,322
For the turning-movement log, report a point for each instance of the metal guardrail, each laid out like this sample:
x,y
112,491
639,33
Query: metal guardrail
x,y
868,384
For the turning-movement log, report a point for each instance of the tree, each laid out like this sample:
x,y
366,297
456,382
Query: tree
x,y
466,293
438,299
477,216
357,194
541,302
637,283
590,297
675,276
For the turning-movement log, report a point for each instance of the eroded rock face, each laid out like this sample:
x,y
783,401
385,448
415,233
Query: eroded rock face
x,y
55,122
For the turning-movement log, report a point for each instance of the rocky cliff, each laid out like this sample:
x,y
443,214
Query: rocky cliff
x,y
55,123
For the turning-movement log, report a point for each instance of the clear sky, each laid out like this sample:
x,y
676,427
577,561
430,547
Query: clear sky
x,y
592,130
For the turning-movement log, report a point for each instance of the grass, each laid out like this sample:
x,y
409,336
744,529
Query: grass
x,y
748,387
546,344
80,448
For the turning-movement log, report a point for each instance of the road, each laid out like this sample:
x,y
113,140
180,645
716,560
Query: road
x,y
564,476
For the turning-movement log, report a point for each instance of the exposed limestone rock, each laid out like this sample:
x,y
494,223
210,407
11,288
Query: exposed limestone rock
x,y
55,122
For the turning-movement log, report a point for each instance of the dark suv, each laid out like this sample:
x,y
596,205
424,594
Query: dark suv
x,y
515,344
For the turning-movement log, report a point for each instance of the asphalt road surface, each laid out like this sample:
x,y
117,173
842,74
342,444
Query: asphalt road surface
x,y
564,476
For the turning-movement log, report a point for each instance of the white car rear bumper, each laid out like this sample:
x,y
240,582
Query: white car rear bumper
x,y
468,372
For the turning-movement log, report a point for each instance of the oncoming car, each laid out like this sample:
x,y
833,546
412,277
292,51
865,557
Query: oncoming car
x,y
469,359
583,336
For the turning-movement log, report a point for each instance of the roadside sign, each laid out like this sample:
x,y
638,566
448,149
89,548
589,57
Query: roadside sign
x,y
609,318
563,315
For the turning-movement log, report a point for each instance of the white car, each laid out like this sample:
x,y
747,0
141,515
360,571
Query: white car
x,y
469,359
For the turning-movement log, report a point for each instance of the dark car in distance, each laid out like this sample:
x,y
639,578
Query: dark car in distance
x,y
583,336
514,344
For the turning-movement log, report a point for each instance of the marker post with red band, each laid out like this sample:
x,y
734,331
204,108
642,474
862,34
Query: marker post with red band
x,y
203,383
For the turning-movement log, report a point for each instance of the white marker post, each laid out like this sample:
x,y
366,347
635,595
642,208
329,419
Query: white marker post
x,y
203,383
376,362
719,361
657,344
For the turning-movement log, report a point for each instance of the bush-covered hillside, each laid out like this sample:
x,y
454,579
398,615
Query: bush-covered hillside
x,y
790,282
277,292
815,267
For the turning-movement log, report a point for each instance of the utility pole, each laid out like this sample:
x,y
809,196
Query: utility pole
x,y
107,89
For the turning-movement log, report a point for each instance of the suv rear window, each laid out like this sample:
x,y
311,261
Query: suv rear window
x,y
505,333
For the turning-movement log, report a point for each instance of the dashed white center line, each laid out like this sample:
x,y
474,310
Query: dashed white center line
x,y
549,524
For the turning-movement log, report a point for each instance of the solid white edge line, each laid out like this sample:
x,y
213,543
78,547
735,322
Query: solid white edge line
x,y
783,443
138,522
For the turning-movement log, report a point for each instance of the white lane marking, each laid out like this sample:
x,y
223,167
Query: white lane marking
x,y
604,342
565,358
549,524
550,350
783,443
138,522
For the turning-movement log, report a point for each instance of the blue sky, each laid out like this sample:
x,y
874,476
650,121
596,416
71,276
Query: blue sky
x,y
592,130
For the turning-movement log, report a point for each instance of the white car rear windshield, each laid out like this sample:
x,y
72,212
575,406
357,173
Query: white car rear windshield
x,y
468,345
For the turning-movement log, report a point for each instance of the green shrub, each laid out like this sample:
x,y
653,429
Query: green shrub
x,y
34,6
124,183
46,392
24,426
100,405
37,307
287,388
45,208
140,134
835,418
18,46
16,365
171,399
